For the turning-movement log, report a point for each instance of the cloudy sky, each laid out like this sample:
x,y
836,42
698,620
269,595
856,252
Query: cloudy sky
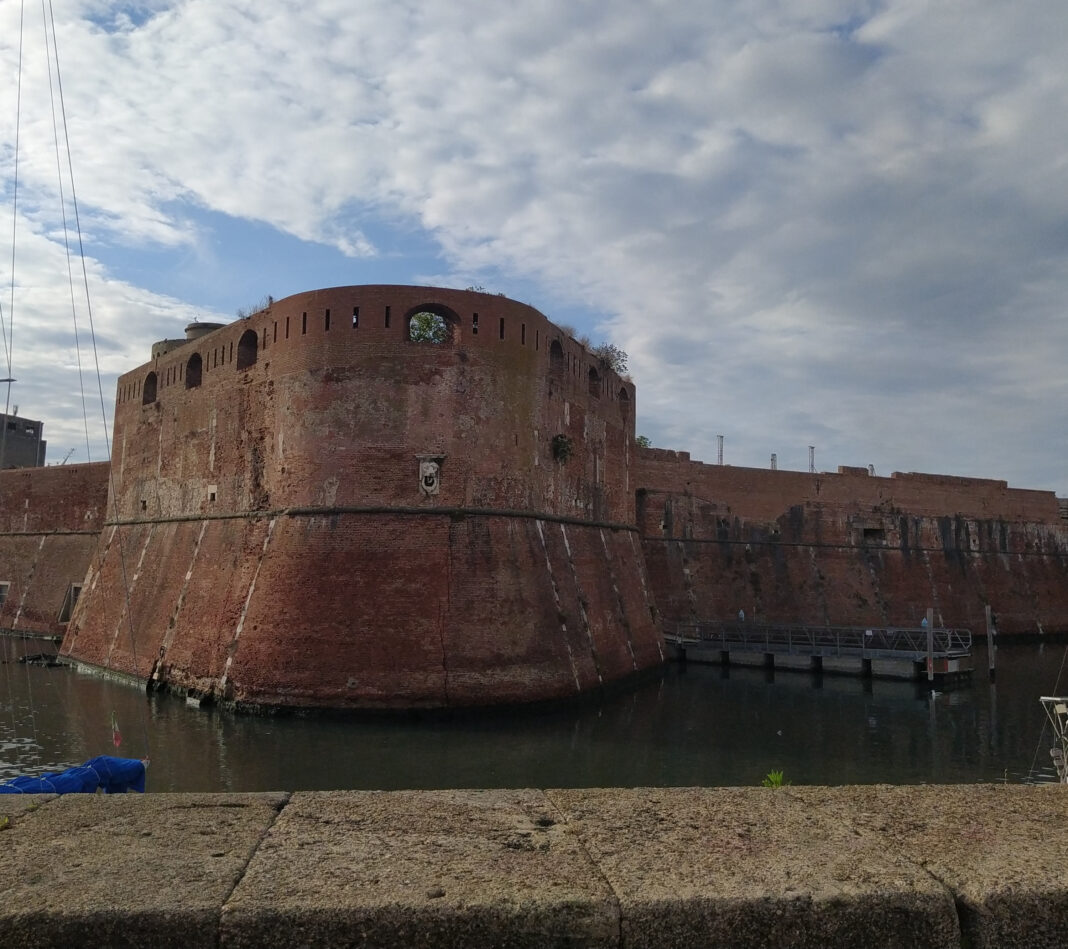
x,y
839,223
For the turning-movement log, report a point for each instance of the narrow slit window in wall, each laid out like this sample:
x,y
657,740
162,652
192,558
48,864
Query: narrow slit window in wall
x,y
523,334
502,327
275,334
387,317
355,317
474,324
264,338
326,321
303,324
537,340
74,590
287,327
231,359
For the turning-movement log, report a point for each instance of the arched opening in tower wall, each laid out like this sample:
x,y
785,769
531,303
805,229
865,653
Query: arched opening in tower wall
x,y
247,350
148,393
429,326
194,369
556,356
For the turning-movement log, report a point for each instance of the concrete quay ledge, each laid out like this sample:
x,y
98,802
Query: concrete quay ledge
x,y
873,866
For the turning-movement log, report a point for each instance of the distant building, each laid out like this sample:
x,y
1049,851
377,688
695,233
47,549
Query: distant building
x,y
21,442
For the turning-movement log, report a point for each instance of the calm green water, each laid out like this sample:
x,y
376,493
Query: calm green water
x,y
697,725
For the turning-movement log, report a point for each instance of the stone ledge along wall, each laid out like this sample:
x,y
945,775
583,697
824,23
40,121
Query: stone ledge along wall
x,y
316,510
930,867
50,520
849,548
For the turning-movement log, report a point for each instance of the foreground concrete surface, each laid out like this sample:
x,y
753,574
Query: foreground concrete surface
x,y
873,866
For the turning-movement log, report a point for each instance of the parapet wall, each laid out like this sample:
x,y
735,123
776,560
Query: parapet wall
x,y
848,548
50,520
763,494
334,403
881,867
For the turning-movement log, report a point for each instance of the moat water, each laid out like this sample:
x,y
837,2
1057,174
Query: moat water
x,y
696,725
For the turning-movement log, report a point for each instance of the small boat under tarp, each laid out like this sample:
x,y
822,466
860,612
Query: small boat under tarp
x,y
104,773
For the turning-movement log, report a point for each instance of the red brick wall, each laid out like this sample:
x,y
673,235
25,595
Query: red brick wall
x,y
320,574
759,493
850,549
49,524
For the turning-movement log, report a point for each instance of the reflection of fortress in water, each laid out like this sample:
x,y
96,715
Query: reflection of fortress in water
x,y
316,509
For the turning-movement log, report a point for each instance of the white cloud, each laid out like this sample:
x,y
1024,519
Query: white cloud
x,y
840,222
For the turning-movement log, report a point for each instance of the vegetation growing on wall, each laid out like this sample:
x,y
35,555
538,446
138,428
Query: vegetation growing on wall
x,y
244,312
611,356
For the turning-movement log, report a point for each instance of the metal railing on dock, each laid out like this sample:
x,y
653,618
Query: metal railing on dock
x,y
867,642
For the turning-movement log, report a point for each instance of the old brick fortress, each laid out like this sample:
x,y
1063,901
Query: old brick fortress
x,y
315,509
309,507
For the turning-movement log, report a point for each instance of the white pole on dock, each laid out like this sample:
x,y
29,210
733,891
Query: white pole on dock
x,y
991,641
930,644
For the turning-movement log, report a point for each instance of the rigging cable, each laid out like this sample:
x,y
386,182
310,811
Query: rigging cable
x,y
7,330
66,232
96,362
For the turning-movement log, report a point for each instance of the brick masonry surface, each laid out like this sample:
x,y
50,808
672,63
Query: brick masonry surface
x,y
848,548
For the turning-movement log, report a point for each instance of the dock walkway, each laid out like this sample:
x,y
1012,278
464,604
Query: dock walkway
x,y
897,652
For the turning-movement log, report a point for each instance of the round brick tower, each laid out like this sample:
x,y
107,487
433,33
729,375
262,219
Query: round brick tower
x,y
377,497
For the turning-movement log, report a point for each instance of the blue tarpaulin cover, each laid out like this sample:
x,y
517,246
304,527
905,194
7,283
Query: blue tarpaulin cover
x,y
110,775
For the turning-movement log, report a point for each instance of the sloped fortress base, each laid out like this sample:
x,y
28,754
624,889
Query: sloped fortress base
x,y
457,609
